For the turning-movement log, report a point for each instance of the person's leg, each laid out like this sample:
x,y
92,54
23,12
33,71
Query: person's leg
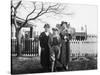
x,y
52,57
58,52
68,55
67,61
57,56
41,58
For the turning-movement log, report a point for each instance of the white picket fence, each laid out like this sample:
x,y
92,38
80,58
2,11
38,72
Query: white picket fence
x,y
78,48
83,47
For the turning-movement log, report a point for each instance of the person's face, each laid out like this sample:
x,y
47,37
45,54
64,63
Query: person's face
x,y
55,32
47,29
65,26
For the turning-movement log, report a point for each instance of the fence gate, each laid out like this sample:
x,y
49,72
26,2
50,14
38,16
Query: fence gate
x,y
29,47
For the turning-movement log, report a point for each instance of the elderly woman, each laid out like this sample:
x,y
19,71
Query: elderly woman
x,y
54,45
65,48
45,53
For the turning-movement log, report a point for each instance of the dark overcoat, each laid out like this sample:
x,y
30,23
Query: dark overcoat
x,y
65,49
45,53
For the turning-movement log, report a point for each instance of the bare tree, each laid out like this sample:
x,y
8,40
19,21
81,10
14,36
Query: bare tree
x,y
54,8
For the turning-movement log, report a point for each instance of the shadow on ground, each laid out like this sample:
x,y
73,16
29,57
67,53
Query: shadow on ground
x,y
24,65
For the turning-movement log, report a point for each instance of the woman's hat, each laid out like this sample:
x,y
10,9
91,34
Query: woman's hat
x,y
54,29
63,22
47,26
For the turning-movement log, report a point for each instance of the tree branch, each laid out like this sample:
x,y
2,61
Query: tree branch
x,y
43,12
15,12
42,9
26,20
56,8
49,8
19,3
32,11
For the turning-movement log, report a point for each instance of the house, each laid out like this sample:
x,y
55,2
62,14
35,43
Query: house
x,y
80,36
27,30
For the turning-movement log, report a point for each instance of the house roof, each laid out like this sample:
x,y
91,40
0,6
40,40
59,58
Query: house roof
x,y
20,21
80,33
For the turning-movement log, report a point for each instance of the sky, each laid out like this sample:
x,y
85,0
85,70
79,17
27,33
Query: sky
x,y
82,15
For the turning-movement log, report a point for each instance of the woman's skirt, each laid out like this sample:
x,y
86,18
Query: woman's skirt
x,y
65,53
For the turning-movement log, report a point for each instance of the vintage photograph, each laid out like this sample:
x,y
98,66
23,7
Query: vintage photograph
x,y
53,37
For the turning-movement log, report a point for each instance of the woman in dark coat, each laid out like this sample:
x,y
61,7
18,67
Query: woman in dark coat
x,y
44,37
65,49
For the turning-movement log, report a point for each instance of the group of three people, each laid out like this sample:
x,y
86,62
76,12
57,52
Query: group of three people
x,y
55,46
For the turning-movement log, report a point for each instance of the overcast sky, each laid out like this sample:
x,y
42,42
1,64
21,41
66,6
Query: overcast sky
x,y
82,15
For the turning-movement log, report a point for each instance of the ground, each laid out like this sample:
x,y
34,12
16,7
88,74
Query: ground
x,y
23,65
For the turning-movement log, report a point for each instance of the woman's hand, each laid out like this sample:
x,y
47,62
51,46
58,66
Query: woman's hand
x,y
53,57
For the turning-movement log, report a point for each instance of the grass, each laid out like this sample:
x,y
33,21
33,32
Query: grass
x,y
24,65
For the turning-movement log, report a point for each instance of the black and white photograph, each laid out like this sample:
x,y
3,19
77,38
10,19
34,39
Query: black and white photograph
x,y
48,37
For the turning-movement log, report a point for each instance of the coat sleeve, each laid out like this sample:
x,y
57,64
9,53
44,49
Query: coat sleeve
x,y
41,40
49,42
70,36
60,41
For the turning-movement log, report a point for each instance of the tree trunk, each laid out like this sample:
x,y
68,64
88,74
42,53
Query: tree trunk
x,y
19,53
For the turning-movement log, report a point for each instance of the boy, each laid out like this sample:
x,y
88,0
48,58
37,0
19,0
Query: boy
x,y
54,45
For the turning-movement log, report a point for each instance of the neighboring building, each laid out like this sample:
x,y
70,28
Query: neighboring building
x,y
27,30
80,36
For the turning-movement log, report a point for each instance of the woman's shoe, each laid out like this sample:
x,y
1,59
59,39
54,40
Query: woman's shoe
x,y
65,67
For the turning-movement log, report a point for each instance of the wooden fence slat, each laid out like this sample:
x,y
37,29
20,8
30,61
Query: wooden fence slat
x,y
31,47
